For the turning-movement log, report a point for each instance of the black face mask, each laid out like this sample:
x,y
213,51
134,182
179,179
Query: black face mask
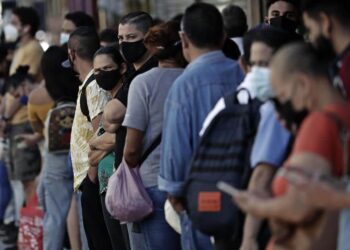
x,y
107,80
132,51
289,114
324,46
284,23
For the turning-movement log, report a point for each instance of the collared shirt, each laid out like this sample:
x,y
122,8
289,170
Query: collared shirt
x,y
239,42
272,141
82,130
190,99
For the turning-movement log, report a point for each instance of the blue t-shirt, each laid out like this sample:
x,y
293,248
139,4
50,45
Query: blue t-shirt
x,y
272,140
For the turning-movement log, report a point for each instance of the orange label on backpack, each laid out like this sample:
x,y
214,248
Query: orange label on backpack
x,y
209,202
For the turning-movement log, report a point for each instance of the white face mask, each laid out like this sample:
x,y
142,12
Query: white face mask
x,y
64,37
260,83
11,33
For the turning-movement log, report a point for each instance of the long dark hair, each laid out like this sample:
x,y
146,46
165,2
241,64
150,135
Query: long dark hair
x,y
61,83
113,52
21,75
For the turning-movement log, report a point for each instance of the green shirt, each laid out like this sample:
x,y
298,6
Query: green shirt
x,y
105,170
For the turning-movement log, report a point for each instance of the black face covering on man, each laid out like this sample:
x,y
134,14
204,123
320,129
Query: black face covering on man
x,y
132,51
284,23
289,114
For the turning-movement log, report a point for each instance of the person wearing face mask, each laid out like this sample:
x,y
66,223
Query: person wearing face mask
x,y
283,14
72,21
144,121
131,32
328,26
29,51
271,140
109,69
317,151
82,45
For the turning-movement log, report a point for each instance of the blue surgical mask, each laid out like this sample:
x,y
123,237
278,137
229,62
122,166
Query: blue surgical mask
x,y
64,37
260,83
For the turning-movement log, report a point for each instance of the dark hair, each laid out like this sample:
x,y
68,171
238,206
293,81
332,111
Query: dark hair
x,y
19,77
305,58
273,37
80,18
142,20
61,83
178,17
111,51
248,40
28,16
295,3
108,36
3,52
85,42
235,21
339,9
157,21
203,25
165,35
231,49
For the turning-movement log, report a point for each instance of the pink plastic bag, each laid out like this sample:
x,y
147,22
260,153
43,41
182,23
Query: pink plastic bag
x,y
30,235
126,197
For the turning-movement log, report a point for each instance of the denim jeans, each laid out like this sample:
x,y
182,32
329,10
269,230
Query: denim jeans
x,y
56,190
157,233
83,239
12,212
344,227
191,239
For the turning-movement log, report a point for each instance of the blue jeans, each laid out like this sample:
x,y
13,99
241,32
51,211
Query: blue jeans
x,y
344,227
55,195
192,239
158,235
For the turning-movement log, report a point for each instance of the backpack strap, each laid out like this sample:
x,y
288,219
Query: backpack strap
x,y
344,136
151,148
83,101
243,90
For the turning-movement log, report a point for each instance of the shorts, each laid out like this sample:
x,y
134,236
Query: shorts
x,y
24,162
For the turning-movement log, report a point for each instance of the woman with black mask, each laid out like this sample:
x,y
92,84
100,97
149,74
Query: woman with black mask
x,y
109,70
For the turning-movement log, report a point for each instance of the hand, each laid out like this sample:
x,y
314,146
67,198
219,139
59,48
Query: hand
x,y
249,203
30,139
94,142
95,156
177,204
249,244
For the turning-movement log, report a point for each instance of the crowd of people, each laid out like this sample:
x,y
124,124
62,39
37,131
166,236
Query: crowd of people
x,y
142,104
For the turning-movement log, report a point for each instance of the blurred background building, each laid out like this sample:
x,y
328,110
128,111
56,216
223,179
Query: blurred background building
x,y
108,12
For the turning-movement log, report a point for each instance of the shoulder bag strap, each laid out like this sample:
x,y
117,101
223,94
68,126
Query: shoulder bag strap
x,y
83,101
153,146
